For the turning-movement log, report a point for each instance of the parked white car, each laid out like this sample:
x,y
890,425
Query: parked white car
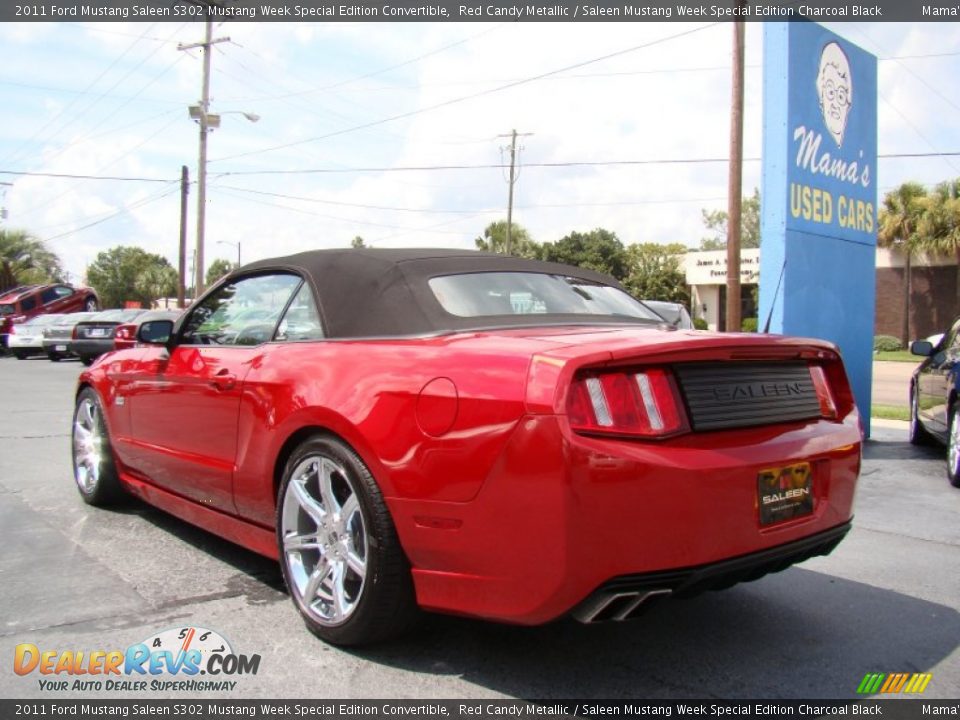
x,y
26,339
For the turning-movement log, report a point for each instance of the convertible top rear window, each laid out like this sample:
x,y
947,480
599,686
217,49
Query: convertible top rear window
x,y
528,293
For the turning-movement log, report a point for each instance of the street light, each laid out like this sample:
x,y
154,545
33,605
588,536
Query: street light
x,y
207,121
237,243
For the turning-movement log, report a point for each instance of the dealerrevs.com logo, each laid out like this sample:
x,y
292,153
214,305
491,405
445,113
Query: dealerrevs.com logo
x,y
189,659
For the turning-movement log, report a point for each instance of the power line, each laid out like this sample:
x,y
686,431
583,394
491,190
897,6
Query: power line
x,y
71,176
472,211
64,109
472,96
131,206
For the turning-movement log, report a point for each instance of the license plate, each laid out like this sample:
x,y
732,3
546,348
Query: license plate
x,y
60,348
785,492
96,332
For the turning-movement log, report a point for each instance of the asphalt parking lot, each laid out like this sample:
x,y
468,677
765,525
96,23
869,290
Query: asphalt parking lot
x,y
75,577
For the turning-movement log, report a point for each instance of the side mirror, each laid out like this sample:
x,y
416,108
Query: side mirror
x,y
155,332
924,348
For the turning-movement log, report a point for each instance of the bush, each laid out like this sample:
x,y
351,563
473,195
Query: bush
x,y
749,325
699,324
886,343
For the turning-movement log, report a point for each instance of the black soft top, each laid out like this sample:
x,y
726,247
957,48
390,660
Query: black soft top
x,y
374,292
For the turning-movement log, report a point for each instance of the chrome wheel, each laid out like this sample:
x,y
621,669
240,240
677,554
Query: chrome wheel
x,y
953,448
88,445
324,540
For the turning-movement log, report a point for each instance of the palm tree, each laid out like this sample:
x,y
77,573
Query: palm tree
x,y
25,259
940,224
900,218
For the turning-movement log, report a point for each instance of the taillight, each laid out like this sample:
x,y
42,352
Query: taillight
x,y
828,408
124,332
76,332
642,403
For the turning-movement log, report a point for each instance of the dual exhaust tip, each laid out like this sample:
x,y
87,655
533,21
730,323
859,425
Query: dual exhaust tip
x,y
617,606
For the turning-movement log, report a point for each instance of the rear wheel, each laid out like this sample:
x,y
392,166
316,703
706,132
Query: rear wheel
x,y
88,359
339,551
917,434
90,305
19,354
54,357
93,465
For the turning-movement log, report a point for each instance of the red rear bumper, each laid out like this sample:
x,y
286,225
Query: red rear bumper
x,y
562,515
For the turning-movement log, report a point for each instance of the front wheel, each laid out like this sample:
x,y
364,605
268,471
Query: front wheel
x,y
88,359
93,466
339,551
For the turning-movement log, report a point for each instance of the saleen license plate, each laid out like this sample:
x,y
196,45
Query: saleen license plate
x,y
785,492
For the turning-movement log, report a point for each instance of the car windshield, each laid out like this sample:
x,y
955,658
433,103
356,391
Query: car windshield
x,y
41,320
117,315
530,293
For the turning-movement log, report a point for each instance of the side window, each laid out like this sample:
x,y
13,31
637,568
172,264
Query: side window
x,y
48,296
243,312
63,291
301,321
28,303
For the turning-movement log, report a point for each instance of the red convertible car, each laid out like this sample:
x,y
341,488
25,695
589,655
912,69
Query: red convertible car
x,y
473,434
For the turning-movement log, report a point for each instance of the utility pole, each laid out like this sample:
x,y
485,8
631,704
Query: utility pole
x,y
3,199
200,113
182,264
513,163
735,183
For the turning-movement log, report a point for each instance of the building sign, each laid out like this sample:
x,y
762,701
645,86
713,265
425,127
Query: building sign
x,y
819,210
833,139
710,267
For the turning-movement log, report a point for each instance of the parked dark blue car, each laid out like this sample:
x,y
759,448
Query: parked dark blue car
x,y
934,397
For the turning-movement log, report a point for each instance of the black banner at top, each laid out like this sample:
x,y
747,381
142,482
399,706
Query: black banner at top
x,y
482,10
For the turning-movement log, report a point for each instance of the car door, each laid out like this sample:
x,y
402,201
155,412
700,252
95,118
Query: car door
x,y
936,382
58,298
183,403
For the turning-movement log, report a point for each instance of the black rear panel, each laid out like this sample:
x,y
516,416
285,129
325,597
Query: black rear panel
x,y
721,396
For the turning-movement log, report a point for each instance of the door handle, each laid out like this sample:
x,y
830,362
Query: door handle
x,y
224,380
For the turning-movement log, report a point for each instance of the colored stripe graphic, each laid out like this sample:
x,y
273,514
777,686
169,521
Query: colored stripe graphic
x,y
918,683
913,683
870,683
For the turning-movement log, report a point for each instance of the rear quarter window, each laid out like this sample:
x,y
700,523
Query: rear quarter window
x,y
529,293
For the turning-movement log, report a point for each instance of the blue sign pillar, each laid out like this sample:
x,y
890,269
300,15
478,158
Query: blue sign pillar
x,y
819,194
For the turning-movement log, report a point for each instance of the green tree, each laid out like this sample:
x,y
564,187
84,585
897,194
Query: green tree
x,y
25,259
124,274
218,268
357,242
494,239
716,222
899,223
599,250
940,224
656,272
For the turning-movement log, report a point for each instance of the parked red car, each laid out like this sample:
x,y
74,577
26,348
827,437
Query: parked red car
x,y
473,434
27,301
125,335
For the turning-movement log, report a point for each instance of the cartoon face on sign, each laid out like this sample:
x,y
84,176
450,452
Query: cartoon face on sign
x,y
835,89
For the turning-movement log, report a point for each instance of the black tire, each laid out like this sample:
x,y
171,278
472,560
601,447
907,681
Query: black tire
x,y
19,355
53,357
88,359
349,526
916,433
94,468
90,304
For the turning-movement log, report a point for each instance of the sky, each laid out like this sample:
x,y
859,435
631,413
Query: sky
x,y
396,132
